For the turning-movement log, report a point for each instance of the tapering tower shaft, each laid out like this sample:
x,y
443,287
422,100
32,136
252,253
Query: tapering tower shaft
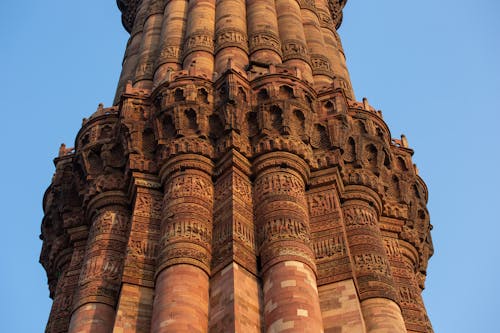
x,y
205,35
236,185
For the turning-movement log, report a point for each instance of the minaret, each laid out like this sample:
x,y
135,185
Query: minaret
x,y
236,185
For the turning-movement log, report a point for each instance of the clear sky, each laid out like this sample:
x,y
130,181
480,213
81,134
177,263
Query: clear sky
x,y
432,67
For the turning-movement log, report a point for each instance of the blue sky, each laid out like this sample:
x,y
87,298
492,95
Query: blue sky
x,y
433,68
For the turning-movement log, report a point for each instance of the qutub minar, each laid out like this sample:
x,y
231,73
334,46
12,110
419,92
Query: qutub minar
x,y
236,185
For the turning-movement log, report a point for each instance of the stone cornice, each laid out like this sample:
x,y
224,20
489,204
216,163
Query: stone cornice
x,y
129,10
336,7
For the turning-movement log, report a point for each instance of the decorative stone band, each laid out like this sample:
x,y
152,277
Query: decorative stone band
x,y
100,277
144,71
61,307
265,40
281,209
279,159
288,268
201,40
129,10
184,162
230,37
321,65
370,261
307,4
295,49
325,19
170,52
234,229
186,227
108,198
410,254
411,302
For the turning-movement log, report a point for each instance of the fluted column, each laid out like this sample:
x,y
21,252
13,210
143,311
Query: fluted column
x,y
263,33
199,43
320,63
172,36
291,300
292,37
59,314
100,277
333,49
183,268
131,53
150,44
412,304
231,41
374,281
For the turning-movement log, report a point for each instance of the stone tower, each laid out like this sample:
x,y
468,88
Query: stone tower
x,y
236,185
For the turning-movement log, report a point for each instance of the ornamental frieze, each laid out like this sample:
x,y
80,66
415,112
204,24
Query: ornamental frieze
x,y
295,49
261,40
199,41
230,38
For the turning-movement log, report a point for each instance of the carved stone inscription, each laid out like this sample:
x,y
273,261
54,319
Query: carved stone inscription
x,y
328,238
147,206
359,216
321,204
101,272
199,41
230,37
109,223
186,232
234,234
283,228
265,40
332,247
279,183
370,260
108,269
189,186
142,245
281,214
